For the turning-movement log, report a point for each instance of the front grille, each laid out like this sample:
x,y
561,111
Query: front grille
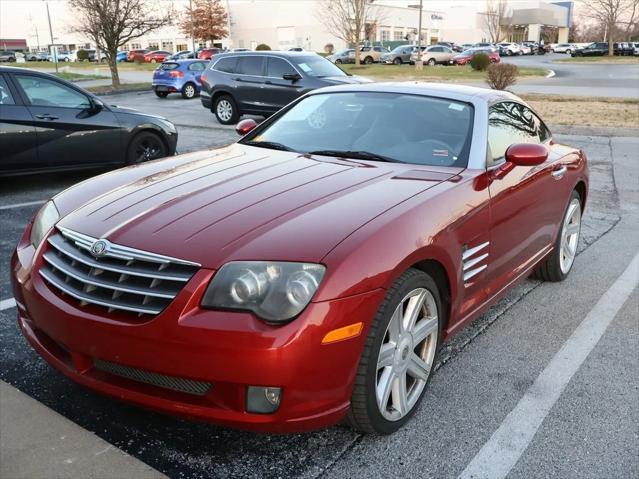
x,y
188,386
120,278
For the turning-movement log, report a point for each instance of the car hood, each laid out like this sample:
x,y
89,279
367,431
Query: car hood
x,y
133,111
241,203
339,80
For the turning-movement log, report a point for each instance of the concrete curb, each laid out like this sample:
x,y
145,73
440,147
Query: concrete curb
x,y
37,442
594,131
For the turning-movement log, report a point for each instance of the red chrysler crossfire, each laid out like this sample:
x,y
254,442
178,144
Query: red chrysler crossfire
x,y
309,272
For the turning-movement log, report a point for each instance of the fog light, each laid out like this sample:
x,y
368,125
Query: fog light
x,y
263,400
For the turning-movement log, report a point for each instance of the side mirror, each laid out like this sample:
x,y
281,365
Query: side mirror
x,y
245,126
95,105
292,77
526,154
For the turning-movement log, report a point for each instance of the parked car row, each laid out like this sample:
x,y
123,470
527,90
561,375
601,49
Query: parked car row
x,y
602,48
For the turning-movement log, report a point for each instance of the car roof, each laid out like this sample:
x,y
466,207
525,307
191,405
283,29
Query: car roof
x,y
268,52
438,90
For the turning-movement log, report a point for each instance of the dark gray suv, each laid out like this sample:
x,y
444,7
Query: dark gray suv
x,y
260,83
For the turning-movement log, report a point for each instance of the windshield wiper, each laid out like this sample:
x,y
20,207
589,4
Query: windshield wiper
x,y
268,144
356,155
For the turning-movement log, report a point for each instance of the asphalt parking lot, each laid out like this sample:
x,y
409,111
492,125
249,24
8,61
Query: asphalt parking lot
x,y
485,372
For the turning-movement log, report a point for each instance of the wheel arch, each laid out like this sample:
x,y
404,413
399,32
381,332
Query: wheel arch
x,y
437,271
582,190
219,93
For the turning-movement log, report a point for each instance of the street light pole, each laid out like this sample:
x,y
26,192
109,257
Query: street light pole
x,y
55,57
419,64
192,28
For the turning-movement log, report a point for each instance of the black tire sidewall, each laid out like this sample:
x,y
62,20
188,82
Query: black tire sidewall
x,y
408,282
131,158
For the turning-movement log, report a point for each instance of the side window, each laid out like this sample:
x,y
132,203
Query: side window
x,y
249,66
44,92
510,123
196,67
226,65
277,67
5,94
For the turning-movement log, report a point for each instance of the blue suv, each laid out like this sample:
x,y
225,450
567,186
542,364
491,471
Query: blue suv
x,y
178,76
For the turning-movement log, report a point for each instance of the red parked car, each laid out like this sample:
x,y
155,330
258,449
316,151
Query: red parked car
x,y
466,56
311,271
208,53
156,56
136,55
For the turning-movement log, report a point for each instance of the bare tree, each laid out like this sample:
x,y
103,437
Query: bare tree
x,y
347,19
206,20
113,23
495,20
609,14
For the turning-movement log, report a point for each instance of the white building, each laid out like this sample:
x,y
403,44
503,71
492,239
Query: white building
x,y
283,24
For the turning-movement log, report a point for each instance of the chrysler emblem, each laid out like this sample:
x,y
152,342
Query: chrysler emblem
x,y
99,248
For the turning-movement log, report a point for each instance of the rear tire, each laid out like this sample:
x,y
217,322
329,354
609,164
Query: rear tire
x,y
225,110
161,94
432,62
392,356
368,60
189,91
397,61
338,61
556,267
145,146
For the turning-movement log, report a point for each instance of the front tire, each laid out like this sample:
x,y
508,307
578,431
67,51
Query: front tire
x,y
397,61
368,60
145,146
226,110
399,355
557,266
189,91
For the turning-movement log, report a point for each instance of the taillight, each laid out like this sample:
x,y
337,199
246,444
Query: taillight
x,y
176,74
203,76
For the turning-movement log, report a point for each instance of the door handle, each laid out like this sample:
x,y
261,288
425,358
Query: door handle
x,y
559,172
46,116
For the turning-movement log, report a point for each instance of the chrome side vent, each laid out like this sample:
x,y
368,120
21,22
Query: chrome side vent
x,y
474,261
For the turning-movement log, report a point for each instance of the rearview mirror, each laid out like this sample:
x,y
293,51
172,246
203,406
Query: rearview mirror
x,y
245,126
292,76
526,154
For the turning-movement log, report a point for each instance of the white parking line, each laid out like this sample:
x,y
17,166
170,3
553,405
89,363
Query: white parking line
x,y
7,303
21,205
504,448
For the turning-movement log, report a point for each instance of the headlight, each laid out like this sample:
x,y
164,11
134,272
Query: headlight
x,y
274,291
44,221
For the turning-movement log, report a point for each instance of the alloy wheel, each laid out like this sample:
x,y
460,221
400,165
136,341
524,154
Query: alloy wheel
x,y
148,149
570,235
224,110
189,91
407,353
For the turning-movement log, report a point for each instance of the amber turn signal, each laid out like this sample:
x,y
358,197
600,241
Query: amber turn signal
x,y
341,334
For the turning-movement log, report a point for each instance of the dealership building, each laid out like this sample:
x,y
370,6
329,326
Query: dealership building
x,y
283,24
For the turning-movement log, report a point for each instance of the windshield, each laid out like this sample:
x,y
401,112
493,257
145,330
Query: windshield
x,y
316,66
392,126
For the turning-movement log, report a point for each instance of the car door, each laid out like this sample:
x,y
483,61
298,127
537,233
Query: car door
x,y
18,138
249,80
278,91
526,202
194,72
70,132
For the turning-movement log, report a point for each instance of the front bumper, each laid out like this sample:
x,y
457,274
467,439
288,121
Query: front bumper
x,y
229,350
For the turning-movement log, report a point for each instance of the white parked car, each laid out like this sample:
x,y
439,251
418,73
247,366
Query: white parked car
x,y
526,49
563,48
511,48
